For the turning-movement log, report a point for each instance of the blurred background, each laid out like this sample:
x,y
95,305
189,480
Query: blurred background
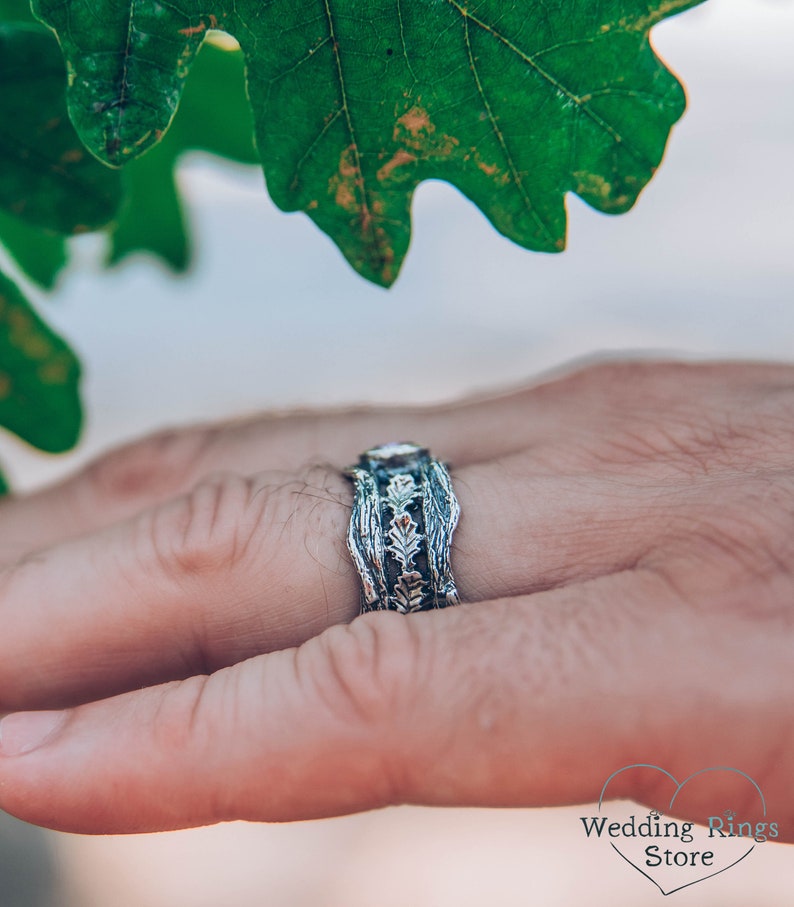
x,y
271,317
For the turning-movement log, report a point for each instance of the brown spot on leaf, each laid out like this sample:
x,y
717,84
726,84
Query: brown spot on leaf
x,y
345,197
373,250
398,159
194,30
5,385
365,220
20,323
492,171
655,14
416,121
592,184
416,131
72,156
36,347
56,371
347,162
596,187
345,181
385,259
24,336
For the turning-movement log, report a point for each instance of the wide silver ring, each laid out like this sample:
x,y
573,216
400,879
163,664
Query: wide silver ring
x,y
400,535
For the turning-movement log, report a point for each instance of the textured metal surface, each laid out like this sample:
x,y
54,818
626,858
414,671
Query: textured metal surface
x,y
400,534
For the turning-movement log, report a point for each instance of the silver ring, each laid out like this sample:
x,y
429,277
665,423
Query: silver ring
x,y
400,535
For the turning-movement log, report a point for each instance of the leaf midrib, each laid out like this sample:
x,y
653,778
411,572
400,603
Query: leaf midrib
x,y
366,218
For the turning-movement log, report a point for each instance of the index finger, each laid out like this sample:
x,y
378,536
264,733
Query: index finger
x,y
525,702
555,413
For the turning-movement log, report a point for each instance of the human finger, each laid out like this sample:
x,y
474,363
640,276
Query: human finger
x,y
555,416
240,566
144,473
509,703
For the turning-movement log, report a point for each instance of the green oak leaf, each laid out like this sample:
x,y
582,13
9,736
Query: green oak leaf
x,y
41,254
214,115
46,177
515,102
16,11
39,376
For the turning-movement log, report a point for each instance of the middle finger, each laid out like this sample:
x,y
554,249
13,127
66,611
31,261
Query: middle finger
x,y
238,567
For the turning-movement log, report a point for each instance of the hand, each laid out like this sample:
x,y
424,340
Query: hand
x,y
626,555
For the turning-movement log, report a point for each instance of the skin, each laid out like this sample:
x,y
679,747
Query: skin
x,y
184,613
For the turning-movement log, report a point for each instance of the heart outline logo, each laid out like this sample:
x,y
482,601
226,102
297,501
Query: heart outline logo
x,y
679,786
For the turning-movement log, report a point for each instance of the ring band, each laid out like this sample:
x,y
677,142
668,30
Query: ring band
x,y
404,515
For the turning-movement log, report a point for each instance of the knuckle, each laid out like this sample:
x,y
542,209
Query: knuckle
x,y
153,467
680,442
366,677
687,418
738,433
209,529
185,720
740,542
179,720
275,528
364,669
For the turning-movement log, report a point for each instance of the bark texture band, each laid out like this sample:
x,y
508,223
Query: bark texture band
x,y
400,535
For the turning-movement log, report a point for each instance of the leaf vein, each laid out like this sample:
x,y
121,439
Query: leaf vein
x,y
313,144
531,60
404,45
519,183
122,99
366,219
304,59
